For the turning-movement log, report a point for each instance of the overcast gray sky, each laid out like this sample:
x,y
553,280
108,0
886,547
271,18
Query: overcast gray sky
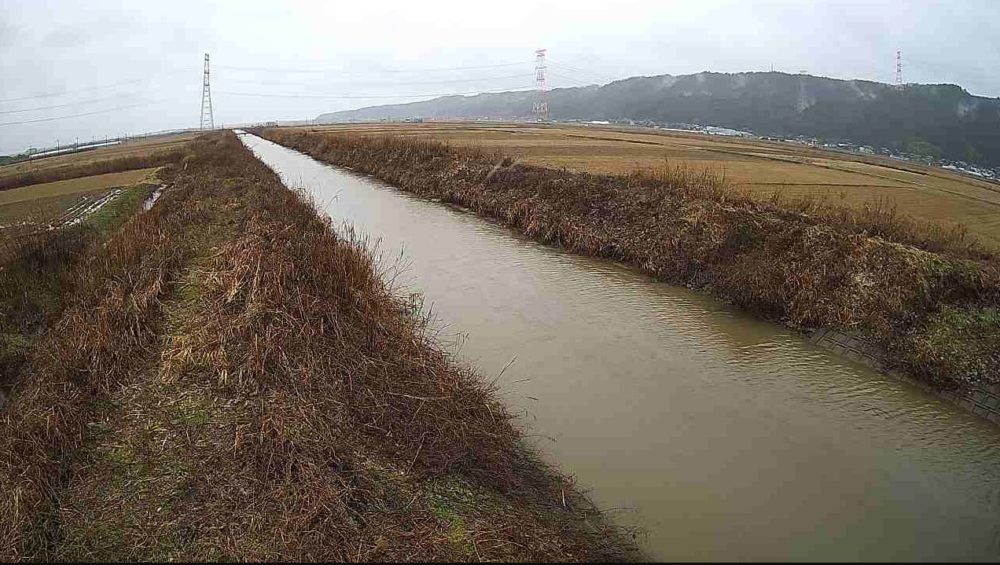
x,y
144,59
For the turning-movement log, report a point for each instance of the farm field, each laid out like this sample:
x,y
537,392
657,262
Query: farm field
x,y
133,148
762,167
24,208
28,207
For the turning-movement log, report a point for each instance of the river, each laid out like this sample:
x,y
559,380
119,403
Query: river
x,y
723,437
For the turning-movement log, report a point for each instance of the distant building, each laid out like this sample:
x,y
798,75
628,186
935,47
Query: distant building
x,y
714,130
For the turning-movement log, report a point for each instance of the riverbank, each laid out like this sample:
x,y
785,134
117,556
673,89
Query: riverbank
x,y
233,381
924,299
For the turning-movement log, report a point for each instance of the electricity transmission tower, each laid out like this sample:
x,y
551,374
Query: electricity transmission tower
x,y
541,106
207,121
899,69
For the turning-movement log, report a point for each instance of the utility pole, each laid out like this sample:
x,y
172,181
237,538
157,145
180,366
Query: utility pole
x,y
206,101
541,106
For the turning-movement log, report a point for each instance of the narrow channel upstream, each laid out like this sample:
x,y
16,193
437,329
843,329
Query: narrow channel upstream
x,y
722,436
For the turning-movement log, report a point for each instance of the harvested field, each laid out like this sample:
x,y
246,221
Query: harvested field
x,y
923,296
133,148
29,208
74,186
762,167
153,152
233,381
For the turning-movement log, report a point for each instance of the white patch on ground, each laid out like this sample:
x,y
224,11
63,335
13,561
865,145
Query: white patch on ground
x,y
17,225
153,198
80,212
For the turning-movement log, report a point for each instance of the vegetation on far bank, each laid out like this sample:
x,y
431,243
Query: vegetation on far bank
x,y
231,380
926,296
929,194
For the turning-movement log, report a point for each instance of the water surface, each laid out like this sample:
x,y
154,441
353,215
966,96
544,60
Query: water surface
x,y
722,436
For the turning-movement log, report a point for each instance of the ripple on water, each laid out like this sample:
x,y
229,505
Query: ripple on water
x,y
731,437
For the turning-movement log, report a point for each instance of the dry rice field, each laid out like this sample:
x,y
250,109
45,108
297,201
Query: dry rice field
x,y
130,148
27,207
926,193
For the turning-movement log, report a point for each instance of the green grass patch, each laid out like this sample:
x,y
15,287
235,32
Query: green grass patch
x,y
455,501
115,213
964,340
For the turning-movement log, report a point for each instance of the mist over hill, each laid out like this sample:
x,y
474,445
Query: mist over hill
x,y
941,120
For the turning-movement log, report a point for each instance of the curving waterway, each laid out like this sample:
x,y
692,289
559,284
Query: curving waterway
x,y
721,436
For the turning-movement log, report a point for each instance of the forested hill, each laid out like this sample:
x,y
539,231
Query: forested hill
x,y
936,119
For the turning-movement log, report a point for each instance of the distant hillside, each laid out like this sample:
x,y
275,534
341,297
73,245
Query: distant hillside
x,y
938,119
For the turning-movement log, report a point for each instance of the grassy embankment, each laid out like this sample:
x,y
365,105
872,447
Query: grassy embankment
x,y
926,296
37,262
233,381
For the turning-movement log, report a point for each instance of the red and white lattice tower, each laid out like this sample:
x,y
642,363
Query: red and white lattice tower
x,y
541,106
899,69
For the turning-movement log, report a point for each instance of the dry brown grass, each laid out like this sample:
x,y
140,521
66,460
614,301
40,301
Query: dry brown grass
x,y
795,171
38,255
76,170
74,186
94,348
235,382
871,272
131,148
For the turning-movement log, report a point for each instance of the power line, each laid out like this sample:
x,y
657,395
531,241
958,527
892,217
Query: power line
x,y
365,96
150,103
80,103
85,89
407,83
592,75
342,72
577,81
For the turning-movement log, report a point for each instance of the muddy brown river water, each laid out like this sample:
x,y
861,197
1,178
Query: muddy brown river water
x,y
723,437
